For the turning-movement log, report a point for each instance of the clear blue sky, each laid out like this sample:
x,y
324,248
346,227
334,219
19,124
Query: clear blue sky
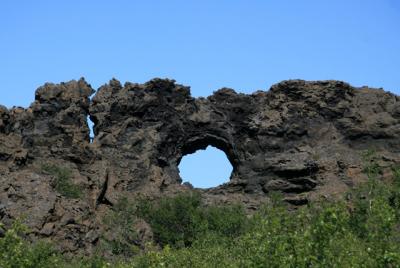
x,y
208,44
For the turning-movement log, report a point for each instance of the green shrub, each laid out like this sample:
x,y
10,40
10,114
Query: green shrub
x,y
361,232
176,221
179,221
121,238
16,252
62,182
395,192
228,220
314,236
371,167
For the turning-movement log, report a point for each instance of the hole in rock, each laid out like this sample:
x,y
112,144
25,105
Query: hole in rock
x,y
90,125
205,168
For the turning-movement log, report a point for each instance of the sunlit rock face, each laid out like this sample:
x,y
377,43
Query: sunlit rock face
x,y
304,139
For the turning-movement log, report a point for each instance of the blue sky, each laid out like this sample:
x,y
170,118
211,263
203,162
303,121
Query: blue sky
x,y
209,44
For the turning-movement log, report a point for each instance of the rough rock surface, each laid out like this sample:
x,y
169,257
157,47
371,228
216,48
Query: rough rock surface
x,y
302,138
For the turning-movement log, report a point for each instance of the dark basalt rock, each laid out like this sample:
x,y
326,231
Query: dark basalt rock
x,y
302,138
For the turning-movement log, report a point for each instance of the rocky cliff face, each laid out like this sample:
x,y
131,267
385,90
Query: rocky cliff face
x,y
302,138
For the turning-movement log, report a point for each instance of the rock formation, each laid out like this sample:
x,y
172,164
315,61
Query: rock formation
x,y
304,139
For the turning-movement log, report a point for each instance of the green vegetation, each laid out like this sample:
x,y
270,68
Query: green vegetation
x,y
16,252
63,183
175,221
361,231
121,237
181,220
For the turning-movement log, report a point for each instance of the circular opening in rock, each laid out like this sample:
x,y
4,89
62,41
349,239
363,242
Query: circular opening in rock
x,y
205,168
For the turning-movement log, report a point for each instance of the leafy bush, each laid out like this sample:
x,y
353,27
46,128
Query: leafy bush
x,y
395,192
122,236
314,236
181,220
16,252
229,221
361,232
176,221
63,183
371,167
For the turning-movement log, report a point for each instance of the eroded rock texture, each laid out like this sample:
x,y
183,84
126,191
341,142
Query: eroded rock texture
x,y
304,139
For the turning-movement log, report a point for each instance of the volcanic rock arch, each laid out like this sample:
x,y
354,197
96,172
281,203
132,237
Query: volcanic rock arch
x,y
304,139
